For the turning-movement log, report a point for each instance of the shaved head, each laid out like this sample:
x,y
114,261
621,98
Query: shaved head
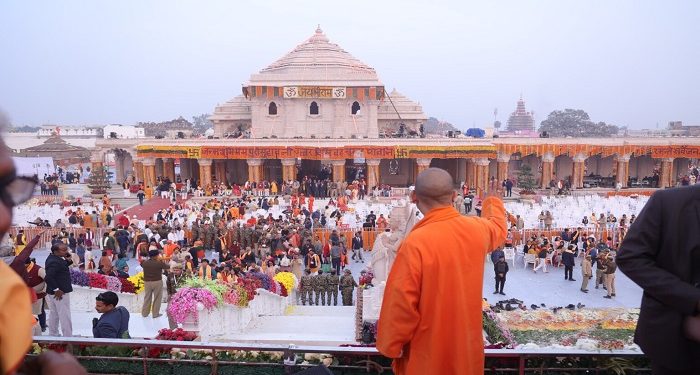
x,y
435,186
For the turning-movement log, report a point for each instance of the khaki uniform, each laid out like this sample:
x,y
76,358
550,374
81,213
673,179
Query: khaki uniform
x,y
320,289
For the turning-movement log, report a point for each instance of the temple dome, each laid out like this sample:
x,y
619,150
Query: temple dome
x,y
317,61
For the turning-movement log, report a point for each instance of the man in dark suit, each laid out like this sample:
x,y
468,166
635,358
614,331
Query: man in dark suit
x,y
58,288
661,253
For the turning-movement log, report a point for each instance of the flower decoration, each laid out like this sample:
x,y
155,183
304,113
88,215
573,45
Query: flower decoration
x,y
231,297
113,284
137,281
287,279
184,303
79,278
97,281
128,286
177,334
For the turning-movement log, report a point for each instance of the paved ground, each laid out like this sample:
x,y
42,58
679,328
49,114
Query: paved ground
x,y
552,290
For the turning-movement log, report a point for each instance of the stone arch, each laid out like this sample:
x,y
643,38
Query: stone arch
x,y
355,108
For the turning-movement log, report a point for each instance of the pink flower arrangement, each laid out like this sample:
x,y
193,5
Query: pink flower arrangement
x,y
231,297
97,281
184,303
113,284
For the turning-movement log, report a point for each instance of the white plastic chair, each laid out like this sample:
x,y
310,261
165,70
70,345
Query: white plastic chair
x,y
529,258
509,255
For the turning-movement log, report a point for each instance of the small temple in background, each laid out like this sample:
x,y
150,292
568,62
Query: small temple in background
x,y
521,121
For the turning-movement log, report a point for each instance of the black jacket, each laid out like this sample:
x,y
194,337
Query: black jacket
x,y
656,254
57,275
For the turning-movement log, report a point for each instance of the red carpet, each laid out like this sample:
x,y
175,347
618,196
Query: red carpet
x,y
149,208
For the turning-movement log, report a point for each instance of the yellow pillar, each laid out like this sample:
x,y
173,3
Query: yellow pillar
x,y
502,167
338,170
254,170
422,164
149,172
373,173
205,172
138,170
169,169
666,178
482,175
471,174
547,170
622,172
578,171
288,169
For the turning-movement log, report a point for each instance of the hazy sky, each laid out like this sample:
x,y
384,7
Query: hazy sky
x,y
631,63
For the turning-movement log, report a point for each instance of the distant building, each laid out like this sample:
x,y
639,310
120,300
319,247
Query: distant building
x,y
47,131
521,121
123,132
677,128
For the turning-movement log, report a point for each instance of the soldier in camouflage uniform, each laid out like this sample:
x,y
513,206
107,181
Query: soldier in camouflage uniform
x,y
195,231
305,288
333,282
209,235
347,286
320,287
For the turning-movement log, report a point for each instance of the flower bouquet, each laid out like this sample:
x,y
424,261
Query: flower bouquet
x,y
97,281
113,284
137,281
287,279
79,278
265,280
185,303
128,286
177,334
217,288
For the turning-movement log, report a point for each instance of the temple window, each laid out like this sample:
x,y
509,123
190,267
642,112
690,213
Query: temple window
x,y
272,109
313,108
355,108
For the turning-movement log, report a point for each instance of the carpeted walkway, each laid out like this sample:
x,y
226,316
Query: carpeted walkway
x,y
149,208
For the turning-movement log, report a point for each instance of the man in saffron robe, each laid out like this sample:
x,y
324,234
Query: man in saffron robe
x,y
430,321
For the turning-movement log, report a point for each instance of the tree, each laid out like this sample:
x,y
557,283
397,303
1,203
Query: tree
x,y
201,123
526,181
575,123
98,181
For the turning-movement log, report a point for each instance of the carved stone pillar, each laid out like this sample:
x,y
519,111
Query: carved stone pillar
x,y
338,170
482,175
205,172
255,170
578,171
502,167
149,172
622,170
373,173
422,164
288,169
666,178
547,169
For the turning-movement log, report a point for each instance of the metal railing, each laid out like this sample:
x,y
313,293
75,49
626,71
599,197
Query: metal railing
x,y
154,357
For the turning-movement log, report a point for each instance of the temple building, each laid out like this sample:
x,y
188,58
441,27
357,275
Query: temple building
x,y
320,111
318,90
521,121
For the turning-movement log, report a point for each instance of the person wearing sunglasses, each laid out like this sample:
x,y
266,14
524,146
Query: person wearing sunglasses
x,y
16,315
